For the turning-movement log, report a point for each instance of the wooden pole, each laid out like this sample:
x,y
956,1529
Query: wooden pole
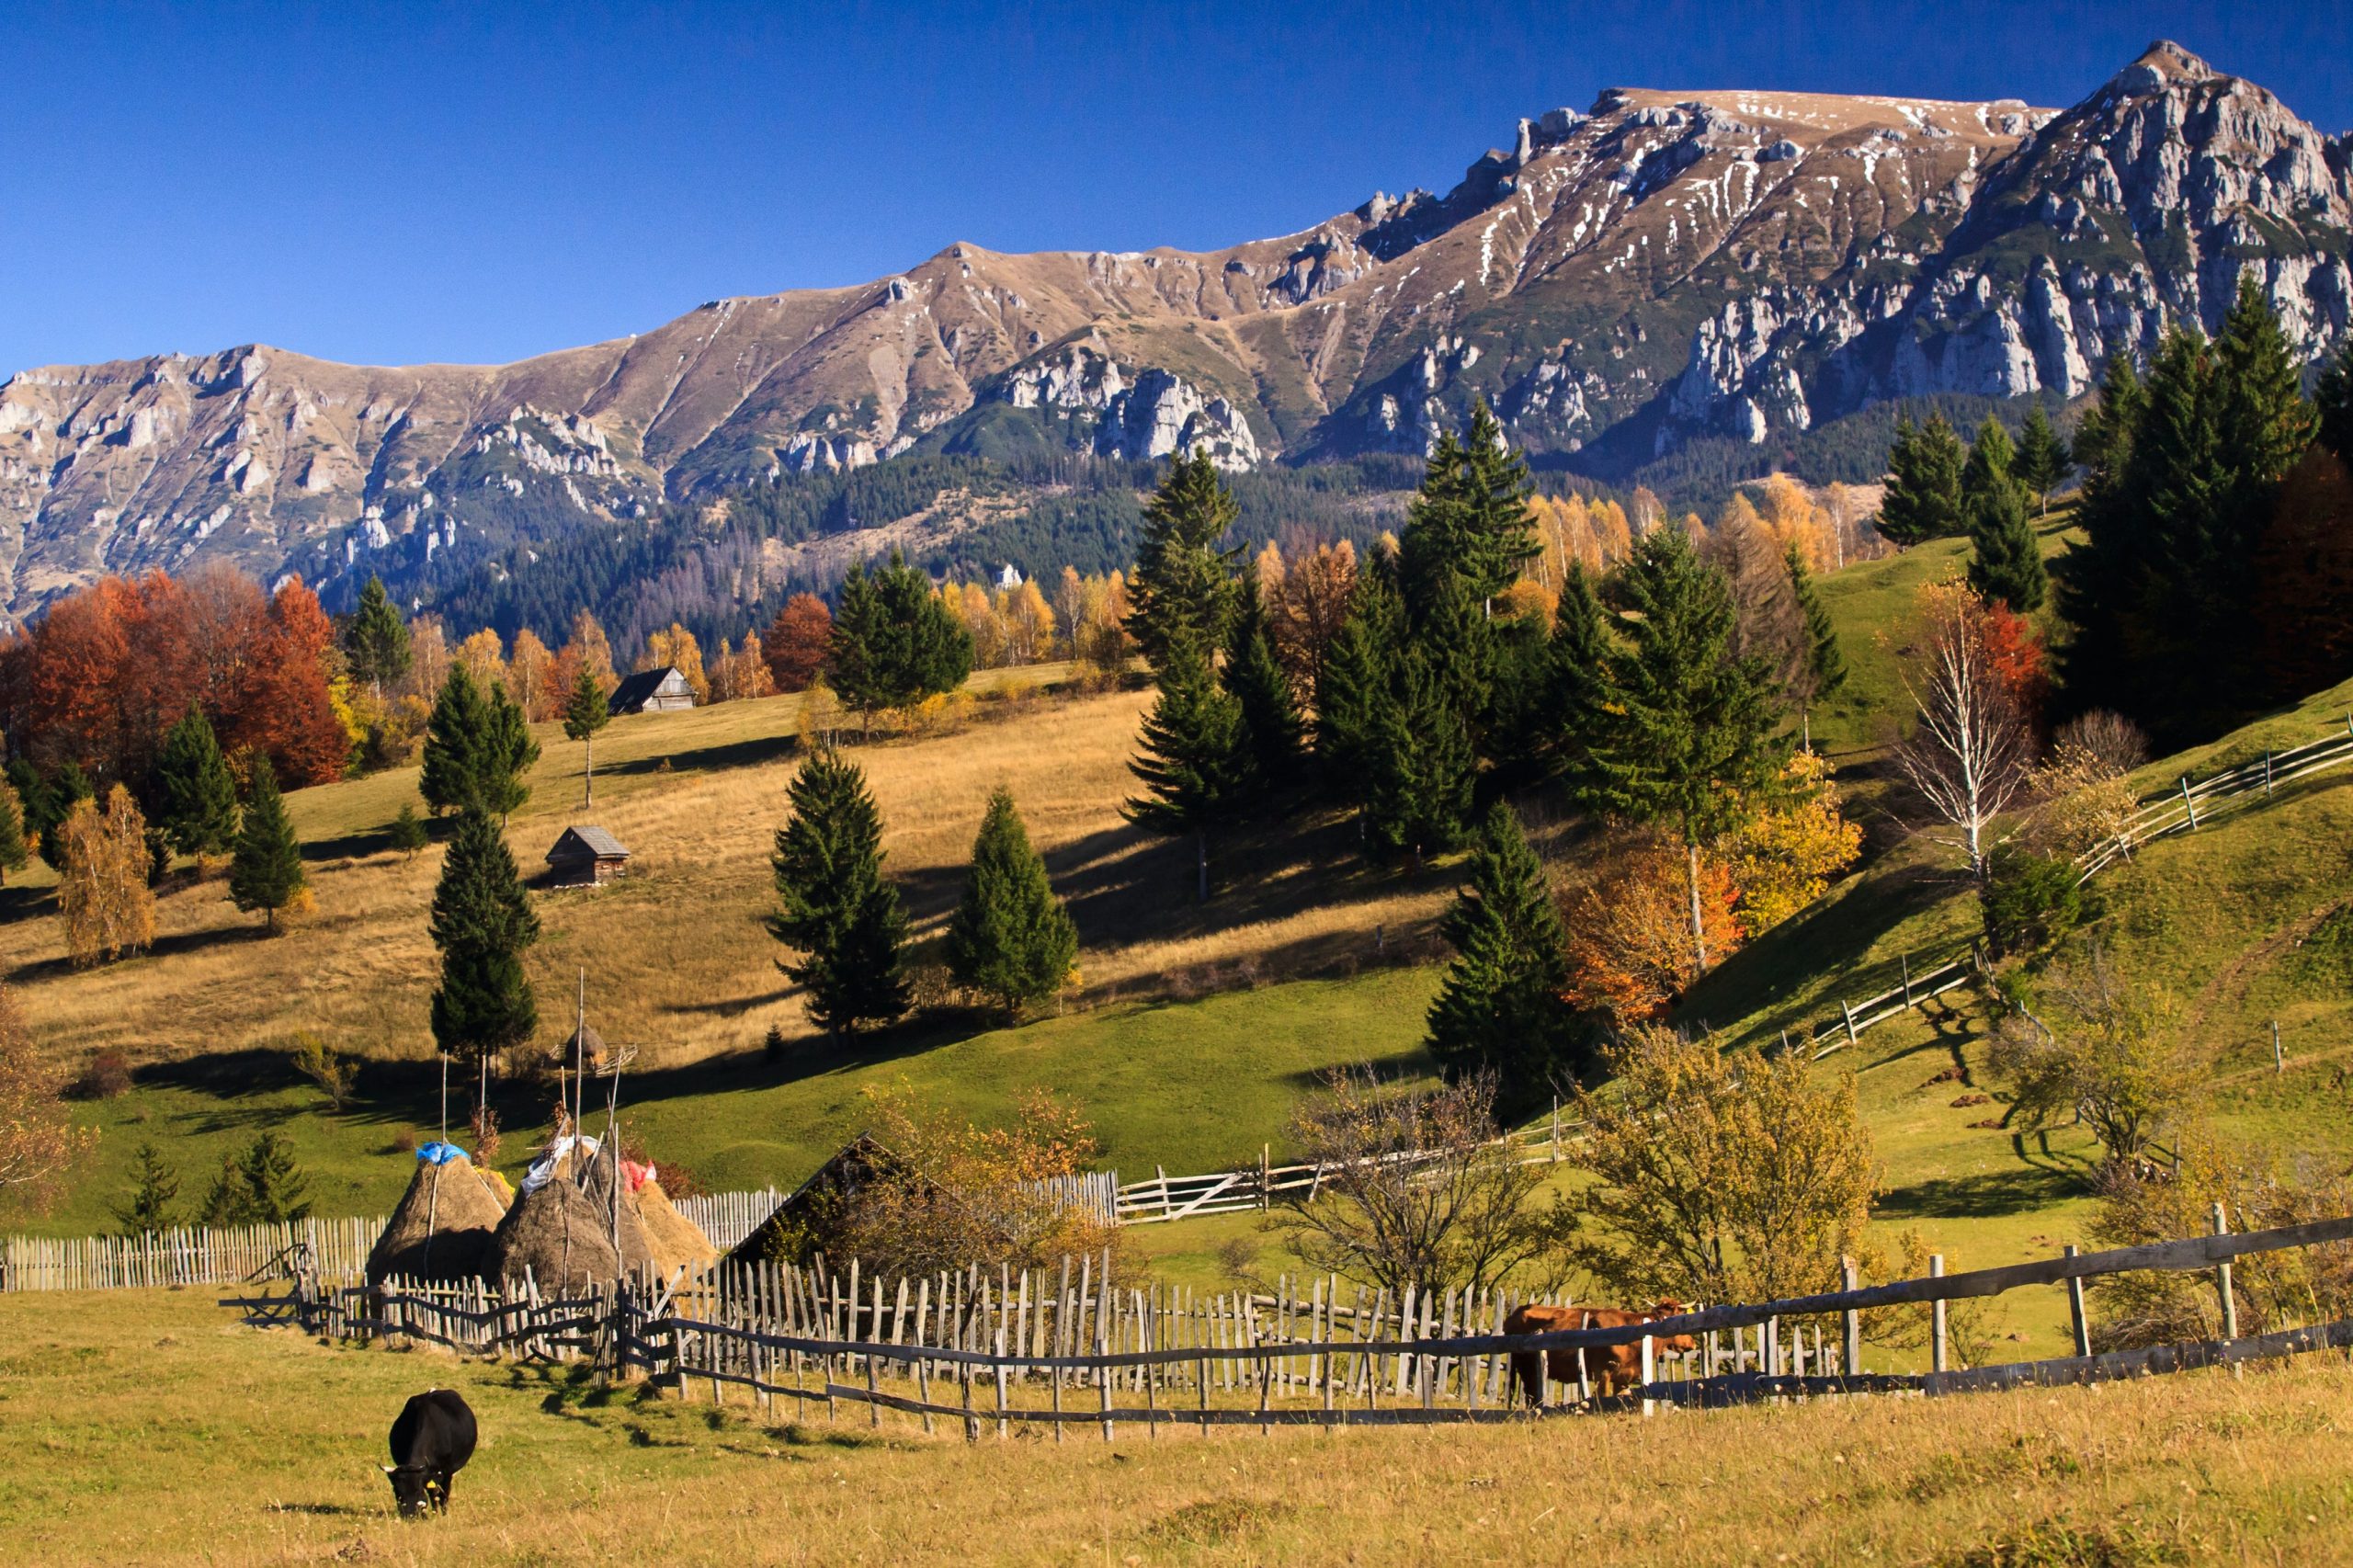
x,y
1852,1322
1937,1351
1849,1014
2278,1062
2076,1310
2188,805
2222,1280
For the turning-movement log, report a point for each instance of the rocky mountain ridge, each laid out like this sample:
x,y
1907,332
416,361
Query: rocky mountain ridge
x,y
1665,267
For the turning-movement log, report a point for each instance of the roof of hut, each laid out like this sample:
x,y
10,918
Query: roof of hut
x,y
441,1228
798,1224
587,840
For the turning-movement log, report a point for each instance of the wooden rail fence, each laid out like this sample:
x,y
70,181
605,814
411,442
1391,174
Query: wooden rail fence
x,y
1075,1347
202,1256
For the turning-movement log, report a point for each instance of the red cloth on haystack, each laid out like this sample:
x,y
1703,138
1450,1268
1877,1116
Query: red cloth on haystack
x,y
637,1176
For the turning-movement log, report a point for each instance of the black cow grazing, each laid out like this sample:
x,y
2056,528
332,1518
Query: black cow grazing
x,y
432,1440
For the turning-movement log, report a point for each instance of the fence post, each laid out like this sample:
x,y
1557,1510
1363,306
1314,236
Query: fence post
x,y
1650,1370
1265,1168
1849,1014
2075,1309
2222,1280
1905,958
2188,805
1852,1321
2278,1062
1937,1352
2266,772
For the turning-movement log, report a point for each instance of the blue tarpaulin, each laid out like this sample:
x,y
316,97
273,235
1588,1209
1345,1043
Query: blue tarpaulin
x,y
440,1153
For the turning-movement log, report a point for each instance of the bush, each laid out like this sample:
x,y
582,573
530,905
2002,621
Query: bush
x,y
318,1061
107,1075
2030,901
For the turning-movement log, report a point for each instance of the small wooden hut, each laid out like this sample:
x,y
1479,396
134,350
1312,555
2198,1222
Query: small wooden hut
x,y
806,1223
585,856
653,691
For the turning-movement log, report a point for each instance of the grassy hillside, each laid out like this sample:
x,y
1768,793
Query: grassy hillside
x,y
220,1444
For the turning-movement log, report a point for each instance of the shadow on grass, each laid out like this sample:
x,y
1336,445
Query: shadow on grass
x,y
165,946
25,903
1980,1197
755,752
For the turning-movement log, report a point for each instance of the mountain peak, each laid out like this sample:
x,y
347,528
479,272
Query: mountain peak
x,y
2162,64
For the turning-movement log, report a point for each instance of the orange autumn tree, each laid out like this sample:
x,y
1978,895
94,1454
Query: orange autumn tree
x,y
796,642
290,711
1629,918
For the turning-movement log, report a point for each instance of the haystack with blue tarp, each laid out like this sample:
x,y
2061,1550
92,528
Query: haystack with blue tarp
x,y
442,1227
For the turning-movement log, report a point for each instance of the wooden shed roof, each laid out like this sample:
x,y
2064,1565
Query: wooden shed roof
x,y
587,842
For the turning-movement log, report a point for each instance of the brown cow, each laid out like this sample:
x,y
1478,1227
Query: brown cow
x,y
1610,1368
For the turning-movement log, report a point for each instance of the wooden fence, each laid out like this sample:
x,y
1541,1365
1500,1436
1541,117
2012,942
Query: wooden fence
x,y
1075,1347
728,1217
2191,804
205,1256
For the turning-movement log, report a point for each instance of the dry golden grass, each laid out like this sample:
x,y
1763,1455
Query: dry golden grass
x,y
676,957
148,1427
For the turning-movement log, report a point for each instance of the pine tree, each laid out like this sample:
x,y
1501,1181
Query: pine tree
x,y
482,922
1196,765
1923,499
1579,658
1987,468
2041,460
148,1211
1011,939
508,751
376,643
2006,562
1270,722
408,834
199,794
1821,667
12,850
1494,490
837,907
268,870
584,714
1687,735
1501,1008
894,642
1181,591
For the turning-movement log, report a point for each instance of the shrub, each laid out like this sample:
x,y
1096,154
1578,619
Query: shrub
x,y
318,1061
107,1075
2029,900
2104,1056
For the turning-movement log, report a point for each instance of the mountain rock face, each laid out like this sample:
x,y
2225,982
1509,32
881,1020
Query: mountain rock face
x,y
1665,267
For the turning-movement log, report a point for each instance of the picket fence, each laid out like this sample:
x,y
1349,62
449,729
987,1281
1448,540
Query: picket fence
x,y
1041,1344
203,1256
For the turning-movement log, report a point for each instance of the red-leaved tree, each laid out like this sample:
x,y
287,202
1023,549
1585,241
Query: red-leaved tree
x,y
796,641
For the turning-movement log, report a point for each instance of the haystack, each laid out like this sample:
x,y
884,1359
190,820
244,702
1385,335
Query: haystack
x,y
441,1228
676,1241
561,1232
500,1187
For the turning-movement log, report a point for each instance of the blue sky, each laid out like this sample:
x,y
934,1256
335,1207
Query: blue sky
x,y
395,184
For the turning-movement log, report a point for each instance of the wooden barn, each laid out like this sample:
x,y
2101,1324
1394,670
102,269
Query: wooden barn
x,y
587,857
653,691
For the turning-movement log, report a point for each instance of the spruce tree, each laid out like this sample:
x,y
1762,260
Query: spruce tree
x,y
1987,468
456,735
1180,591
1357,684
408,834
482,922
1011,939
1195,765
1579,654
1686,732
2005,560
507,753
894,642
376,641
585,713
1494,490
267,871
837,907
1500,1007
148,1211
12,850
1423,767
2041,458
1273,730
198,813
1923,498
274,1191
2333,399
1821,667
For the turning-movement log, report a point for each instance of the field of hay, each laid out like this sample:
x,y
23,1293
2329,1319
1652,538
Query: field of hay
x,y
151,1428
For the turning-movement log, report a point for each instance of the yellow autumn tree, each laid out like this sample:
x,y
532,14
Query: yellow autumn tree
x,y
484,656
1785,858
1629,920
1029,622
676,647
527,675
